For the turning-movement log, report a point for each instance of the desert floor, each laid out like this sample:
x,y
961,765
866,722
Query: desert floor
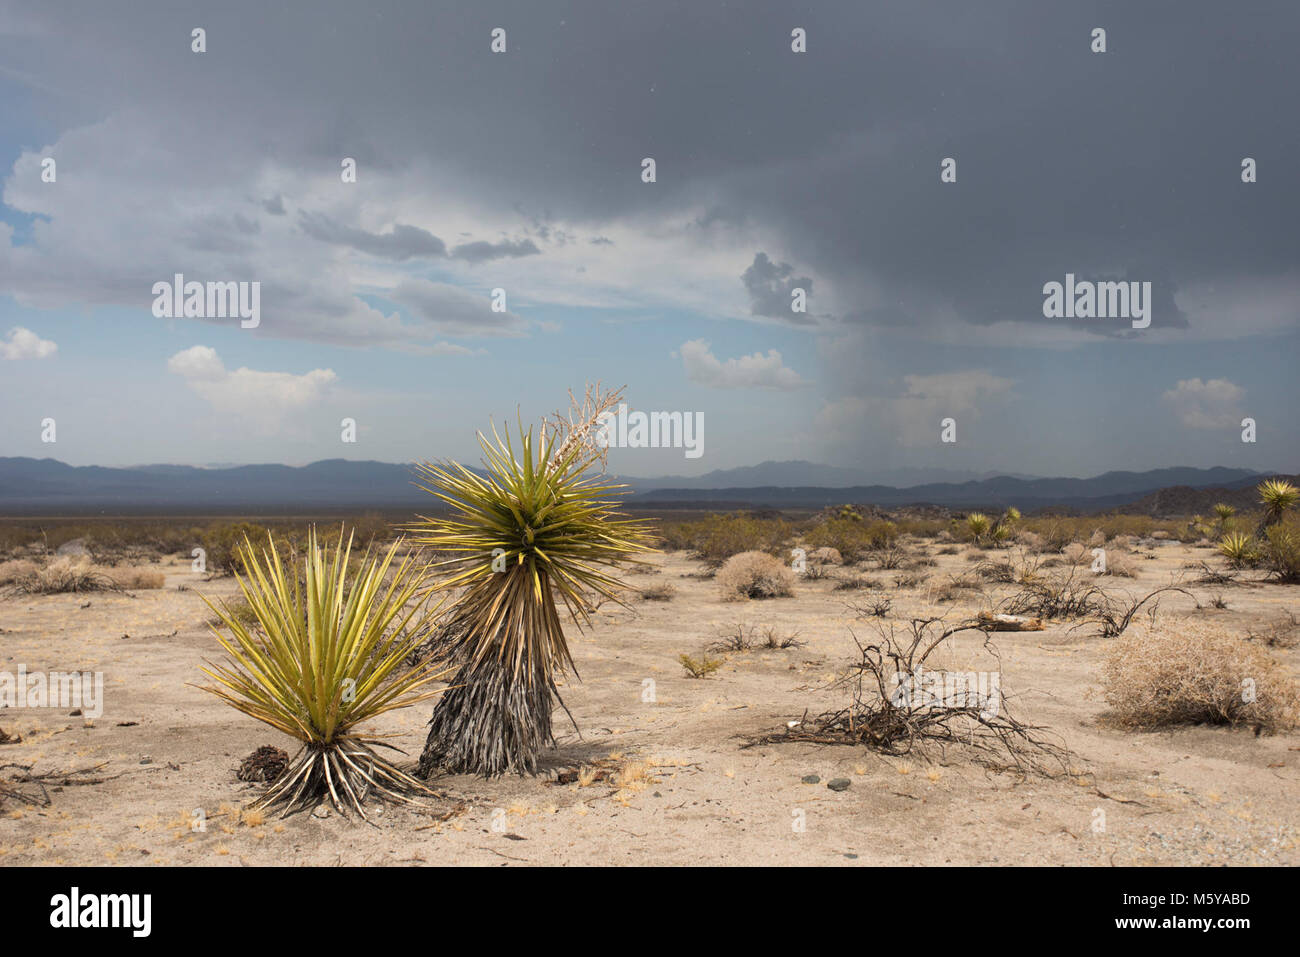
x,y
687,790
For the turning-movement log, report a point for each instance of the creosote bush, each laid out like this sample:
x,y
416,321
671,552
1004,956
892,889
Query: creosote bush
x,y
1195,674
754,575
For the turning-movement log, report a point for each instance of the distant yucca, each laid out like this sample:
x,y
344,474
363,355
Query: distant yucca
x,y
536,528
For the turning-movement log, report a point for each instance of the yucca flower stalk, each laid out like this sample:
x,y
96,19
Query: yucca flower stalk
x,y
324,656
538,528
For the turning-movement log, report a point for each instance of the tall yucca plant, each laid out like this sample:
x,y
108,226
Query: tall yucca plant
x,y
319,663
537,529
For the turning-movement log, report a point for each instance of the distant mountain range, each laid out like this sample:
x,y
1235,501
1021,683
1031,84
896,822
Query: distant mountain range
x,y
46,486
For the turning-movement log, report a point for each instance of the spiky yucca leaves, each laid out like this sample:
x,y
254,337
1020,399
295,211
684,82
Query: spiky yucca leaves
x,y
539,528
1238,549
1277,497
316,664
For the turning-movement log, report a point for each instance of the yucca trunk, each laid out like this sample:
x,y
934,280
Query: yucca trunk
x,y
496,716
492,721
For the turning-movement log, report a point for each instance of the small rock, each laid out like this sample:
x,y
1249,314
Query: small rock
x,y
811,779
321,812
839,784
146,759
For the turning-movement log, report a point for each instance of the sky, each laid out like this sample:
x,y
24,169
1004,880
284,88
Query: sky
x,y
775,170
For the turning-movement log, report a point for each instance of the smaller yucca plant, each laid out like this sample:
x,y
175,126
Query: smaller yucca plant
x,y
320,655
1238,549
977,524
1224,511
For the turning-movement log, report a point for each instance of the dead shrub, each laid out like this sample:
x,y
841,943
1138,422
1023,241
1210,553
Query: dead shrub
x,y
894,708
1196,674
754,575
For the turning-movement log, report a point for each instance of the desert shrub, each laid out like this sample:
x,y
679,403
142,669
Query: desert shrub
x,y
890,557
699,667
1280,552
735,637
659,591
754,575
1196,675
853,537
221,543
65,573
875,606
17,570
1119,564
716,538
774,640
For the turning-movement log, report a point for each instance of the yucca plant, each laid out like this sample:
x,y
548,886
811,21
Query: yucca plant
x,y
316,665
1278,496
538,527
977,524
1238,549
1224,511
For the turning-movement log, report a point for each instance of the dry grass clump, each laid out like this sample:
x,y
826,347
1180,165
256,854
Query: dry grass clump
x,y
1156,677
57,576
15,571
754,575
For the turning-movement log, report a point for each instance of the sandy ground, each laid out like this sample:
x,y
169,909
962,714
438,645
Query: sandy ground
x,y
695,795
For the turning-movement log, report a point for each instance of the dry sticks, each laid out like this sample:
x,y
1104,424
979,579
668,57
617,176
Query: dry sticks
x,y
892,712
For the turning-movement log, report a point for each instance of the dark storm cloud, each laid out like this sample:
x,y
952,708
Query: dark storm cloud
x,y
770,286
1121,163
481,251
399,244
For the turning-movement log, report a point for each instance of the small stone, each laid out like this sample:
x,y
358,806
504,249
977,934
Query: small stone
x,y
839,784
321,812
146,759
811,779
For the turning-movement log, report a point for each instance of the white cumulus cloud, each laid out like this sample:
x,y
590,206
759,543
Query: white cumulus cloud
x,y
757,371
24,344
1212,404
264,400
